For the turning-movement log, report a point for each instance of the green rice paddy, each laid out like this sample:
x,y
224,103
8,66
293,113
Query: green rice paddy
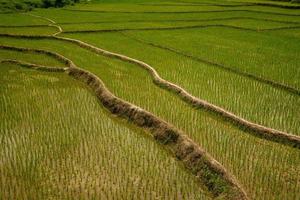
x,y
58,141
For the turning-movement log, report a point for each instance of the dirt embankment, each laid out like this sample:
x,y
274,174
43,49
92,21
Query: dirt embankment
x,y
253,128
210,172
250,127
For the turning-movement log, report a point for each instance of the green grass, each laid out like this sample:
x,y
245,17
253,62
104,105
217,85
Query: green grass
x,y
248,158
66,146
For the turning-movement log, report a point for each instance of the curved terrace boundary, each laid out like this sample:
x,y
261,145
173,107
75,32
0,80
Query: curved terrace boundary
x,y
197,160
255,129
248,75
259,130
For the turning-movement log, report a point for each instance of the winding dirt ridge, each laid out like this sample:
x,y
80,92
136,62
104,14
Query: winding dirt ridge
x,y
253,128
227,68
262,131
197,160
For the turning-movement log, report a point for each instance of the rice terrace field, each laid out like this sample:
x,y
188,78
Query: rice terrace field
x,y
149,99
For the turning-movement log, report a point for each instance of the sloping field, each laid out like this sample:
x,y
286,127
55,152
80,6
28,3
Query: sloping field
x,y
208,81
60,148
216,84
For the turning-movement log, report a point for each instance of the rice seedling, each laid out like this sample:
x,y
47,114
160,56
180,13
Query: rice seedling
x,y
257,24
29,30
17,19
210,83
53,127
57,142
141,8
242,23
259,5
247,157
29,57
67,16
149,8
256,58
293,33
273,10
